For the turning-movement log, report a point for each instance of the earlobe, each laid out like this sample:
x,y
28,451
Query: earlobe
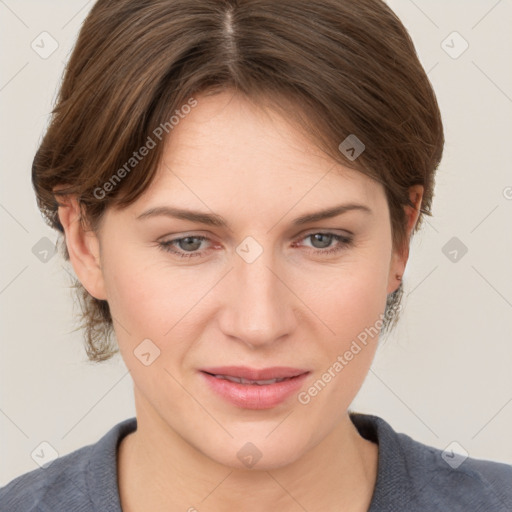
x,y
83,247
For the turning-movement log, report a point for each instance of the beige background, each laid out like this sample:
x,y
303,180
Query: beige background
x,y
444,375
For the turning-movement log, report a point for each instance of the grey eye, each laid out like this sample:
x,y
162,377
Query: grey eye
x,y
189,243
324,240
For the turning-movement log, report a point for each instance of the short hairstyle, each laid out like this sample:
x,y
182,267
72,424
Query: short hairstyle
x,y
337,68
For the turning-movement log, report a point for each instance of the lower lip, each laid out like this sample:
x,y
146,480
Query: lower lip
x,y
252,396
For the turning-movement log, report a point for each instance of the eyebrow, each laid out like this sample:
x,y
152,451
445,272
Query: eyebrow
x,y
218,221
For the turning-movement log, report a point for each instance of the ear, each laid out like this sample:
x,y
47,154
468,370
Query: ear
x,y
83,247
401,254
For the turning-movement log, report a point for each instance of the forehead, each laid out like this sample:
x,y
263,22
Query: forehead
x,y
229,152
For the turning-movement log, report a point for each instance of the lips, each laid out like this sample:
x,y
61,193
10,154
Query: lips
x,y
250,388
252,375
241,380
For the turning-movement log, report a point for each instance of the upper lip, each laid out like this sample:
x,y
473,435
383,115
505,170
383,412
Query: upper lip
x,y
275,372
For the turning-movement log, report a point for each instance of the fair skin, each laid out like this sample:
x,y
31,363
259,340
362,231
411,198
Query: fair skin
x,y
292,306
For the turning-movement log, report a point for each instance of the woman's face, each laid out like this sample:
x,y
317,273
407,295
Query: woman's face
x,y
257,290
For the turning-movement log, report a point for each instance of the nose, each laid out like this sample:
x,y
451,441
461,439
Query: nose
x,y
260,304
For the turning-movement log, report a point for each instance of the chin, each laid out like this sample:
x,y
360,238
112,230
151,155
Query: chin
x,y
257,453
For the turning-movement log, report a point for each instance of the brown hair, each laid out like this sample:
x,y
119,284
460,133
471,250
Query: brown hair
x,y
336,67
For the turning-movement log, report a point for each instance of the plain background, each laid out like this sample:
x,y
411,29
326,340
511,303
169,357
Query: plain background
x,y
443,375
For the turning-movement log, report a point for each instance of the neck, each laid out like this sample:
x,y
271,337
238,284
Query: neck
x,y
159,471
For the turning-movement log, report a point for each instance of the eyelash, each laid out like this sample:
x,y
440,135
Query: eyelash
x,y
345,242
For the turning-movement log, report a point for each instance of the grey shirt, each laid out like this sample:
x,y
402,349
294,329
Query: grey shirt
x,y
411,477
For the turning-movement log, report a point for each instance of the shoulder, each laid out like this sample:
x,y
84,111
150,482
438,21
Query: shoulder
x,y
413,475
62,482
450,479
75,481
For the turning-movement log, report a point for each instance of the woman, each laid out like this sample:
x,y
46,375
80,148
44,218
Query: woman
x,y
237,183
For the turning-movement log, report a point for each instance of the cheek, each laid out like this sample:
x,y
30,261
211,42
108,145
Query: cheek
x,y
351,304
142,306
141,286
149,299
355,316
353,308
351,297
132,292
